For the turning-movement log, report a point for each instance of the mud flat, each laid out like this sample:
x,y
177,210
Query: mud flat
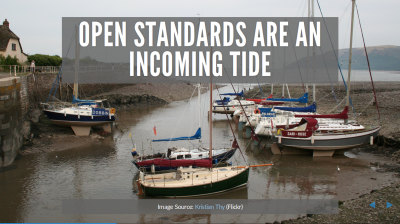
x,y
43,136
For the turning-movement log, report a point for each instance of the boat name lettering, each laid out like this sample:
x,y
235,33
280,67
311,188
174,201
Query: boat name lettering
x,y
99,111
302,134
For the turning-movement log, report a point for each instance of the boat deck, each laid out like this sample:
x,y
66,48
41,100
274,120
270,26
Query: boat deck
x,y
190,176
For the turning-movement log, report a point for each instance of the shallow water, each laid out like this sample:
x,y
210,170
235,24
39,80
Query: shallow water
x,y
33,191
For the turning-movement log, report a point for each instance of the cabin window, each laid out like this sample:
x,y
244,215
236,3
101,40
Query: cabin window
x,y
188,177
14,47
200,155
180,157
197,175
188,156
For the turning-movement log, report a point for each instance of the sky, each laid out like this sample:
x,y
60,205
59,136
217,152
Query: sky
x,y
39,23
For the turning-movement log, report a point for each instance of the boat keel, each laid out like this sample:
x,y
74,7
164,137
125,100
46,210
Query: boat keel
x,y
81,130
317,153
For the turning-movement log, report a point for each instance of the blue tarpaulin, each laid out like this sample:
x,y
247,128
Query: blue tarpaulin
x,y
224,101
311,108
303,99
196,136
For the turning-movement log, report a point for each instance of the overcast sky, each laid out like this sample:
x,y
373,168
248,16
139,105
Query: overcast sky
x,y
38,23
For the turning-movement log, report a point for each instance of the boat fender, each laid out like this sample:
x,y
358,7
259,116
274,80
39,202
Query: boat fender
x,y
134,153
371,140
112,110
257,111
279,139
279,131
153,168
215,161
139,188
312,139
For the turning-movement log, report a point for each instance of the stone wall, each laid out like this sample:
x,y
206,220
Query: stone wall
x,y
11,138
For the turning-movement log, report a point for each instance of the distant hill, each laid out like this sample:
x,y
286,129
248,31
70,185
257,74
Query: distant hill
x,y
385,57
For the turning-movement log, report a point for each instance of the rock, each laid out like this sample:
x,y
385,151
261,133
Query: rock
x,y
26,130
35,114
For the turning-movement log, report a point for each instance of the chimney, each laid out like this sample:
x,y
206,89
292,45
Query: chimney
x,y
6,24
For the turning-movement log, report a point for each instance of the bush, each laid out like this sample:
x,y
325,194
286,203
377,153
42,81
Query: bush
x,y
8,60
45,60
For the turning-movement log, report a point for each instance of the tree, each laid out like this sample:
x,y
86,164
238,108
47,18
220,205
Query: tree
x,y
45,60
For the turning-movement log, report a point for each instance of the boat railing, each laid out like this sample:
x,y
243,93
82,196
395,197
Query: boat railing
x,y
55,105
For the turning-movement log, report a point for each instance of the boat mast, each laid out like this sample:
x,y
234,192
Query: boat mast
x,y
313,49
199,104
75,93
350,56
210,112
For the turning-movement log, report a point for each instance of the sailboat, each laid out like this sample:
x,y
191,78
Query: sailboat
x,y
84,113
227,105
308,134
182,156
189,181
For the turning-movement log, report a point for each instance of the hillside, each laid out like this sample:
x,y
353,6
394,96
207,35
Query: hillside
x,y
385,57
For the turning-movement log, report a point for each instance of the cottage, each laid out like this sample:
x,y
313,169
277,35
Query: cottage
x,y
10,44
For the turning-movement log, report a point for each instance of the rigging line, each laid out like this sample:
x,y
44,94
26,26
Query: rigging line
x,y
180,119
259,87
342,16
59,72
298,66
301,7
166,103
327,71
347,29
229,121
253,134
369,68
323,18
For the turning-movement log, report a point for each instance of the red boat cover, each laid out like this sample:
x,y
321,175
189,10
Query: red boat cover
x,y
177,163
342,115
258,101
312,125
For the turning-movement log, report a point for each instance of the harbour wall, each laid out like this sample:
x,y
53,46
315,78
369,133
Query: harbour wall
x,y
11,119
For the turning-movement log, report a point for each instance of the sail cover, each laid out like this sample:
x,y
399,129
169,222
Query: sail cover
x,y
258,101
82,102
177,162
196,136
233,94
303,99
342,115
311,108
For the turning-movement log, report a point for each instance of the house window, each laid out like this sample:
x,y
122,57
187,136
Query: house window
x,y
14,47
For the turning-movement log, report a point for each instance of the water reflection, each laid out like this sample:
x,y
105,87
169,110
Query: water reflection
x,y
103,170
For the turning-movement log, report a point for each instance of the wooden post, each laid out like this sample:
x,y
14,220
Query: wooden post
x,y
15,70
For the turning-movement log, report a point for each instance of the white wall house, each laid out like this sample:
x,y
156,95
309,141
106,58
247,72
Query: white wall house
x,y
10,44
